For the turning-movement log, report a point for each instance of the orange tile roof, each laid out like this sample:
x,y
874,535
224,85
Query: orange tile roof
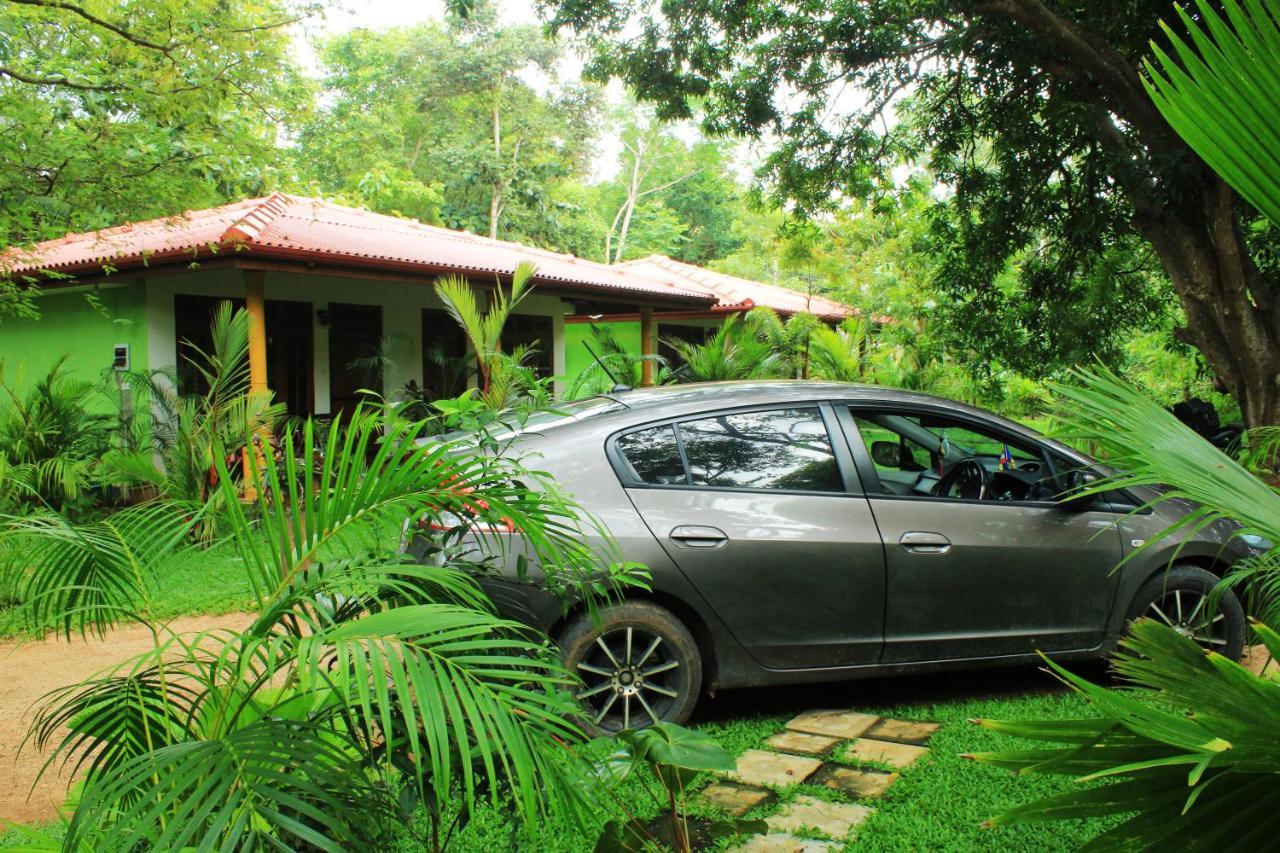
x,y
282,226
740,293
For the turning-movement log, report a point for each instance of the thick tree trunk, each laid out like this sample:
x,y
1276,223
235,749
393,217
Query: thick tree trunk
x,y
1231,315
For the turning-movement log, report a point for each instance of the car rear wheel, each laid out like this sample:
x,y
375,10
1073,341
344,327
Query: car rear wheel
x,y
1181,598
638,665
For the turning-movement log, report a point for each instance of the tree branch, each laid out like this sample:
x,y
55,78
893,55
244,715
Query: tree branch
x,y
57,81
95,20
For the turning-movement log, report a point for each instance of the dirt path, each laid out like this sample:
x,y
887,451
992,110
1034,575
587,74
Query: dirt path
x,y
28,670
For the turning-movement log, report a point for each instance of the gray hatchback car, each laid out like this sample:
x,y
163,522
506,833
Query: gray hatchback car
x,y
811,531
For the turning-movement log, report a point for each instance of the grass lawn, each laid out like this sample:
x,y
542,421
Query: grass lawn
x,y
938,804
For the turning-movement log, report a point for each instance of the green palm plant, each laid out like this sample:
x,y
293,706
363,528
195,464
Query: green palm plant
x,y
842,354
189,435
363,685
614,364
733,352
50,441
789,339
1192,758
1221,92
500,378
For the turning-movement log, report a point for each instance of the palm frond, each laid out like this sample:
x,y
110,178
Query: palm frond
x,y
86,578
271,784
1190,758
1222,93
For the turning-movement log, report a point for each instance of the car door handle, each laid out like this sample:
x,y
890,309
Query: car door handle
x,y
922,542
694,536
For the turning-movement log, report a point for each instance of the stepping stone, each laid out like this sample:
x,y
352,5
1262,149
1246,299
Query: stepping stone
x,y
776,842
734,799
845,725
855,783
903,731
807,813
884,752
801,743
777,769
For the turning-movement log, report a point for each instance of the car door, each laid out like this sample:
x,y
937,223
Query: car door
x,y
1010,573
761,511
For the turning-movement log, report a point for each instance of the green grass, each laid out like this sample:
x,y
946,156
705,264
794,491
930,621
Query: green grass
x,y
208,581
940,803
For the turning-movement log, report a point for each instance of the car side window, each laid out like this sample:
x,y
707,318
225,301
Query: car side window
x,y
775,449
919,455
654,456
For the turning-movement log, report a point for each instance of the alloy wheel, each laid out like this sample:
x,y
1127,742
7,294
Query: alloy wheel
x,y
631,677
1187,612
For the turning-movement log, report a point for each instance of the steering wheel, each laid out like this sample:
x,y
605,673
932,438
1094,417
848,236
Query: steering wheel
x,y
966,474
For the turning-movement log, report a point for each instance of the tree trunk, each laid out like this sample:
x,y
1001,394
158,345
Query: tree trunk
x,y
495,197
1231,317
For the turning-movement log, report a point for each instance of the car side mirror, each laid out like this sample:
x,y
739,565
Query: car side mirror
x,y
887,454
1076,482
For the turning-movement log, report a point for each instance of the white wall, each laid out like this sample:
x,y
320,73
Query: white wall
x,y
401,302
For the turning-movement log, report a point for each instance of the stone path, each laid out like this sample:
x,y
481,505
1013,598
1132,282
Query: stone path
x,y
857,756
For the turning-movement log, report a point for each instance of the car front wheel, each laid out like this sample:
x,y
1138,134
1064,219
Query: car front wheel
x,y
638,665
1181,598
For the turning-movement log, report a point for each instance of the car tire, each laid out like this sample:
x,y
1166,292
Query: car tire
x,y
1175,598
638,664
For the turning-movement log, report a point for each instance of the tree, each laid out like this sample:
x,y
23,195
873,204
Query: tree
x,y
669,197
1032,111
441,123
113,112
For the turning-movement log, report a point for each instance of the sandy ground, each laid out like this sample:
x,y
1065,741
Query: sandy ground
x,y
28,670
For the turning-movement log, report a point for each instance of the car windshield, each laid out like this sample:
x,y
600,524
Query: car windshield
x,y
561,414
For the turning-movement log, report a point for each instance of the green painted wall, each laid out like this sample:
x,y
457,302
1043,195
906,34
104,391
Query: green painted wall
x,y
69,325
576,335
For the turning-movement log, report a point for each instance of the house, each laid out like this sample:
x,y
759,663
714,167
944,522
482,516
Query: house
x,y
331,291
733,295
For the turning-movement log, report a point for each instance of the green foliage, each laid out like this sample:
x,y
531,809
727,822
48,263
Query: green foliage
x,y
112,113
614,364
380,684
1150,447
730,353
1220,93
438,123
177,445
1194,768
675,756
50,443
1060,187
505,378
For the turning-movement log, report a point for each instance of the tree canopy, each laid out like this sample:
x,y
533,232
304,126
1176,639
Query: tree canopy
x,y
1033,114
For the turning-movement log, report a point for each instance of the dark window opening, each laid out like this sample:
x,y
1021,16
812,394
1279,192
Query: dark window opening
x,y
536,333
445,361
